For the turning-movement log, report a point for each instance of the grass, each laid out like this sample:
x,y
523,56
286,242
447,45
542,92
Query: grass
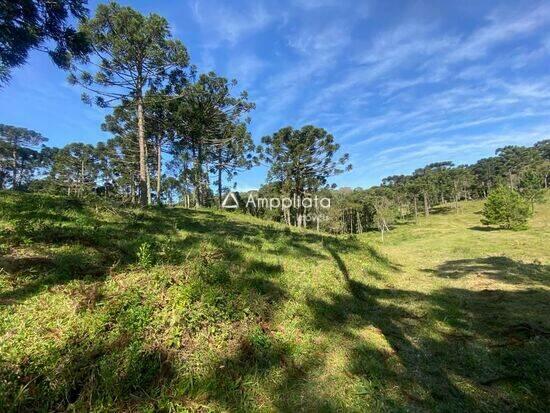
x,y
109,309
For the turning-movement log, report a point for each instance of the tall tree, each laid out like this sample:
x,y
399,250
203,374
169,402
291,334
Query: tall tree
x,y
543,148
131,52
302,160
517,159
207,116
488,172
75,168
15,140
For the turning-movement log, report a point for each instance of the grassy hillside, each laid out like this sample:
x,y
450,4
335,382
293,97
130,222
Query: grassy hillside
x,y
168,309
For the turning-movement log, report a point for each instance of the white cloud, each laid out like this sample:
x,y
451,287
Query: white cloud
x,y
503,26
245,68
222,23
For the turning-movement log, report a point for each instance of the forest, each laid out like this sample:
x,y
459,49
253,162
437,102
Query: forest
x,y
111,170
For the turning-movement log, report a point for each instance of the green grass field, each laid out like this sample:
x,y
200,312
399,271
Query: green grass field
x,y
105,309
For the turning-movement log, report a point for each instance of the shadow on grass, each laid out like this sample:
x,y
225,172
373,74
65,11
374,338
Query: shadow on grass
x,y
497,268
113,236
442,210
484,228
452,350
115,367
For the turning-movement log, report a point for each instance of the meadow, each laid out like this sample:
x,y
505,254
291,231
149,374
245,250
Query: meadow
x,y
108,308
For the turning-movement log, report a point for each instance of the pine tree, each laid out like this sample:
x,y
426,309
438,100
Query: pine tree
x,y
14,142
132,52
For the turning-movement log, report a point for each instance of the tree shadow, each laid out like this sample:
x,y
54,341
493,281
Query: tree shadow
x,y
451,350
484,228
497,268
117,368
442,210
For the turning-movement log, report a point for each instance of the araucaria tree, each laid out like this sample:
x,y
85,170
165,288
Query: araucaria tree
x,y
39,25
15,144
131,53
211,129
302,161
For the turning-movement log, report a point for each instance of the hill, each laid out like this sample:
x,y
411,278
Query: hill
x,y
107,308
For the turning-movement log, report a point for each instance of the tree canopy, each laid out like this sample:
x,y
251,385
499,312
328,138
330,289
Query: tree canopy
x,y
41,25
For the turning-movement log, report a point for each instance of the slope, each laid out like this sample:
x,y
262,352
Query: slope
x,y
108,308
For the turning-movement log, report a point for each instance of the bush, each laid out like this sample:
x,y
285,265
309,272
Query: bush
x,y
506,208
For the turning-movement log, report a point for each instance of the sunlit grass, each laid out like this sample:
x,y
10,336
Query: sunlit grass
x,y
234,313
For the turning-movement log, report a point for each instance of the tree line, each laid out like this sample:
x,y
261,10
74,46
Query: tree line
x,y
523,170
179,136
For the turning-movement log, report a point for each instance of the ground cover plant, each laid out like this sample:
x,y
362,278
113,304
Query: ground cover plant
x,y
106,308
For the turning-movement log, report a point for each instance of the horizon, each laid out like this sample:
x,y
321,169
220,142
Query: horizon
x,y
414,85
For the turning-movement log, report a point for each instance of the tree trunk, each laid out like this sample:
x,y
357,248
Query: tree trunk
x,y
159,171
426,206
14,178
81,177
198,178
148,175
415,208
220,184
142,152
317,221
132,193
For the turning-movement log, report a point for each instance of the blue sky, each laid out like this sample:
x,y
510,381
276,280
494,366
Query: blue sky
x,y
399,84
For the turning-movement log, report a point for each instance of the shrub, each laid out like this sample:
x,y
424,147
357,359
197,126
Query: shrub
x,y
506,208
145,255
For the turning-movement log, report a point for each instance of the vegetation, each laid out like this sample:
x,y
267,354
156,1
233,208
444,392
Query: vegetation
x,y
161,105
39,25
505,207
112,301
107,308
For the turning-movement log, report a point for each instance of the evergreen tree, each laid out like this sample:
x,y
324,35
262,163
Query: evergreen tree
x,y
39,24
75,168
302,160
132,52
16,143
207,119
505,207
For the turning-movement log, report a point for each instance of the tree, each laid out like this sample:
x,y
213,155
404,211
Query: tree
x,y
171,187
15,141
233,153
531,187
208,118
506,207
132,52
384,213
517,159
543,148
302,160
488,172
461,179
424,183
38,24
75,168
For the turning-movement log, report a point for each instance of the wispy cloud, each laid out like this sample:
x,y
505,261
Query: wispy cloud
x,y
504,25
222,23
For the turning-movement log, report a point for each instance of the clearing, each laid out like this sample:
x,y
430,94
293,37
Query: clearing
x,y
107,308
